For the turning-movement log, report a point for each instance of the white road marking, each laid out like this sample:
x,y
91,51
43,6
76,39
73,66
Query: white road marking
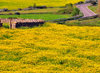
x,y
86,11
91,11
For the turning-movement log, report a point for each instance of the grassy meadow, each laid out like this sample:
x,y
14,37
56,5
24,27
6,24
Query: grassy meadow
x,y
37,16
51,48
15,4
88,22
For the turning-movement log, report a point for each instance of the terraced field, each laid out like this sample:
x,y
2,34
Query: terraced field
x,y
52,48
15,4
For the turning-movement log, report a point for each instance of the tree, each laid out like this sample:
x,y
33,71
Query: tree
x,y
75,12
93,3
98,8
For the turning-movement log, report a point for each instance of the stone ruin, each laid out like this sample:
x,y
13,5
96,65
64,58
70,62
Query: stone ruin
x,y
16,23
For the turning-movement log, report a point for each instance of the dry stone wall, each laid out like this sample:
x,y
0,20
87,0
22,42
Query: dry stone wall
x,y
16,23
4,20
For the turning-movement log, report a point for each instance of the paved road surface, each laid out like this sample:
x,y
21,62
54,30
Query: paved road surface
x,y
85,10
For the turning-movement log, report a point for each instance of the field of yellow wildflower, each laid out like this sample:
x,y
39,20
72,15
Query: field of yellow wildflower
x,y
53,48
15,4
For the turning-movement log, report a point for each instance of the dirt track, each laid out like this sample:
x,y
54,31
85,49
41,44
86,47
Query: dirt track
x,y
85,10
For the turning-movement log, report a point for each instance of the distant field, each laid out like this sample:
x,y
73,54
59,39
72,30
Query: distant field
x,y
50,49
38,16
15,4
53,10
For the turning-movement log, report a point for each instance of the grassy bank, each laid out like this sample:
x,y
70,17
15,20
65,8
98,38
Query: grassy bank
x,y
93,8
89,22
38,16
54,48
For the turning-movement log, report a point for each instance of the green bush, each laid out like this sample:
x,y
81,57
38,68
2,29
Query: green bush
x,y
66,11
93,3
75,12
16,13
69,5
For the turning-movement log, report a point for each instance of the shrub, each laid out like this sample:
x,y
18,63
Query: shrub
x,y
93,3
13,9
66,11
19,9
12,17
81,2
70,4
5,9
17,13
75,12
34,5
10,13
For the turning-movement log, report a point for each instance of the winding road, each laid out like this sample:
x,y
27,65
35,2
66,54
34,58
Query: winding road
x,y
85,10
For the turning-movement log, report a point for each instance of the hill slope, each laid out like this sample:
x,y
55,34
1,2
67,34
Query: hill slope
x,y
14,4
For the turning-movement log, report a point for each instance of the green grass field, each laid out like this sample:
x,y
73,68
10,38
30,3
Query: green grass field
x,y
15,4
51,49
38,16
89,22
94,8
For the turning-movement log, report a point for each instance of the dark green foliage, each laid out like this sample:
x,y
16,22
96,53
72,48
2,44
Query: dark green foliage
x,y
75,12
69,5
19,9
17,13
34,5
5,9
12,17
66,11
93,3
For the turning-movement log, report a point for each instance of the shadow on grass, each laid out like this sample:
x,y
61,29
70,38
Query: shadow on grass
x,y
26,27
6,25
